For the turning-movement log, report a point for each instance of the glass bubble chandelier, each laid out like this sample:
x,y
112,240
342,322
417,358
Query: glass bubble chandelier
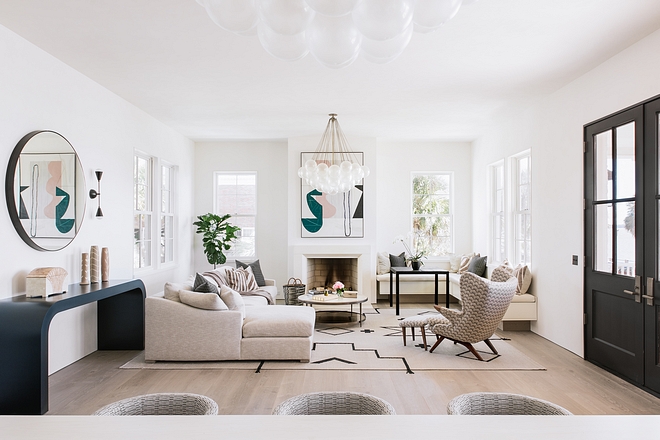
x,y
334,168
335,32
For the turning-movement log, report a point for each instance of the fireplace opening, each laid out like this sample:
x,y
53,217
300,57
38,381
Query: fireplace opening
x,y
323,272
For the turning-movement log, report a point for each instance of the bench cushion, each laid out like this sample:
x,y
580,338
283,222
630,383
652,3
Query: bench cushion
x,y
278,321
524,298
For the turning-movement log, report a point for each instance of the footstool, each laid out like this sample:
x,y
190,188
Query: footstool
x,y
412,322
278,332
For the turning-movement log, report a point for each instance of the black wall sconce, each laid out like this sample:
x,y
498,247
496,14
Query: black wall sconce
x,y
94,193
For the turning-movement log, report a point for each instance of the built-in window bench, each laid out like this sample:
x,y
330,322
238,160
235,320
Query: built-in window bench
x,y
521,312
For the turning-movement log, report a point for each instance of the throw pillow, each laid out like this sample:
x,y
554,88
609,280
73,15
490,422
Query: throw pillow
x,y
383,263
171,290
478,266
241,280
454,263
398,260
524,276
465,262
204,285
232,299
256,270
206,301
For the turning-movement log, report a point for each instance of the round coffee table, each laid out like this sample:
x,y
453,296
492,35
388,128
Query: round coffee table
x,y
332,300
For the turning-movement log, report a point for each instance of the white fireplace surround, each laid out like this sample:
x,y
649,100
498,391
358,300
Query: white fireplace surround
x,y
363,254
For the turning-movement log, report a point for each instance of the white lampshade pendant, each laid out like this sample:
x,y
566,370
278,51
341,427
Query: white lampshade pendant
x,y
334,168
335,32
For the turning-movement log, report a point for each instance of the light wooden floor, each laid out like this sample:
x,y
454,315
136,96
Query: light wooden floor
x,y
569,381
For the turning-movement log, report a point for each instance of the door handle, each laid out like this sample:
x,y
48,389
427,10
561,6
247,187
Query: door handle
x,y
650,287
636,295
638,289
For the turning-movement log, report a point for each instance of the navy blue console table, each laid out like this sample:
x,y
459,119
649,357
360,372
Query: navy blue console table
x,y
24,324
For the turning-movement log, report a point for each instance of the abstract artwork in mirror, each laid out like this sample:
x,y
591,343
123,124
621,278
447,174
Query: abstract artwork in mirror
x,y
45,190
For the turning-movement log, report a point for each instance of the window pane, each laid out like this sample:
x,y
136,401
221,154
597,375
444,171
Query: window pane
x,y
431,184
523,171
430,204
246,204
603,238
625,238
499,205
165,202
625,161
523,197
603,165
165,181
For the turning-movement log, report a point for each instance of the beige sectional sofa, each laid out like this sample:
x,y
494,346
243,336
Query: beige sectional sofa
x,y
178,332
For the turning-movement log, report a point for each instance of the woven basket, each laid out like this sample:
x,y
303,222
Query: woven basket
x,y
293,288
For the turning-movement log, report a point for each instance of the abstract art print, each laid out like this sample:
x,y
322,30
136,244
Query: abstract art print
x,y
332,215
47,195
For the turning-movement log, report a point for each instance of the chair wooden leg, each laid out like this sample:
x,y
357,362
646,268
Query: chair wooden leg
x,y
424,337
472,350
403,331
440,339
490,345
412,330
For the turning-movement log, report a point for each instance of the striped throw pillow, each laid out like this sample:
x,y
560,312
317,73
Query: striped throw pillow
x,y
524,278
241,280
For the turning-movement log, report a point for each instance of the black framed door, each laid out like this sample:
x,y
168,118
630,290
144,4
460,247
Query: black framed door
x,y
650,300
613,188
622,212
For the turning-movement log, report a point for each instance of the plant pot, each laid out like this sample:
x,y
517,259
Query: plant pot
x,y
416,265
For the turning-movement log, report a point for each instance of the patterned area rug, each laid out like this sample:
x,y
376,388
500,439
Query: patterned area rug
x,y
377,345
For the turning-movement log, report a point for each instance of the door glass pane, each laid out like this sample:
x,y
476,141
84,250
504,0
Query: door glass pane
x,y
625,238
603,165
625,161
603,238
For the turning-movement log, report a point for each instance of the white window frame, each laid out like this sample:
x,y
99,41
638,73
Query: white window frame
x,y
171,215
496,190
230,254
154,210
149,211
518,212
450,216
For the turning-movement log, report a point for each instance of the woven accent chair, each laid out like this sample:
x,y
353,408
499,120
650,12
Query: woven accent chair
x,y
334,403
163,404
502,404
484,304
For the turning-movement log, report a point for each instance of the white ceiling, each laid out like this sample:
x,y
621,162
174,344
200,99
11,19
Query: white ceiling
x,y
169,59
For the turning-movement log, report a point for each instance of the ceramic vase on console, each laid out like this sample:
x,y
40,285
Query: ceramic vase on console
x,y
94,264
105,264
84,269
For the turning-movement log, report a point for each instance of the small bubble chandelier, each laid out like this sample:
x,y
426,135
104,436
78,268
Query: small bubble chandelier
x,y
335,32
334,168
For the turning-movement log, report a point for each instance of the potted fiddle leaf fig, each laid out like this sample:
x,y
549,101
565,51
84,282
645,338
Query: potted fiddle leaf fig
x,y
217,236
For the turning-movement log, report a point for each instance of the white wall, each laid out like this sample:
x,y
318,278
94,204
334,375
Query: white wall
x,y
553,129
396,163
39,92
269,160
364,245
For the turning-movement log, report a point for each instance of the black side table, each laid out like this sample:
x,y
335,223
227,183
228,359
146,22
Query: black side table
x,y
397,271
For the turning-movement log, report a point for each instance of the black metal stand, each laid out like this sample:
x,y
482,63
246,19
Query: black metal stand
x,y
24,324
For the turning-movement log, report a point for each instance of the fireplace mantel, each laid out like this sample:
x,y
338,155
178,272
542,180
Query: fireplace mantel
x,y
364,255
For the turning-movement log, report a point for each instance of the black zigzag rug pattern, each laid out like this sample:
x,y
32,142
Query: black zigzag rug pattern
x,y
376,345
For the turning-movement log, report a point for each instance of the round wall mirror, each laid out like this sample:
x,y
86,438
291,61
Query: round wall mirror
x,y
45,190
